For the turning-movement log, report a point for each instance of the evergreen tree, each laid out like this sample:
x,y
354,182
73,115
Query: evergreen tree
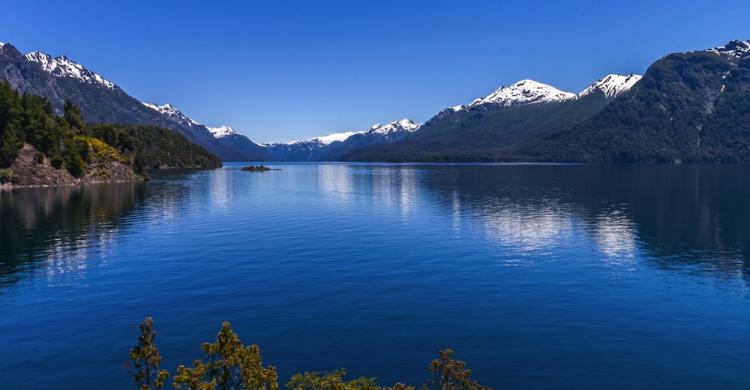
x,y
330,381
72,115
451,374
145,359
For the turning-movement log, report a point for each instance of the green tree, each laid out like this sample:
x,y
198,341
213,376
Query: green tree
x,y
193,378
11,129
232,365
72,115
399,386
145,359
451,374
330,381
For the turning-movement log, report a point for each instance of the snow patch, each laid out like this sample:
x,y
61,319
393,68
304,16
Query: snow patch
x,y
735,48
524,92
62,66
222,131
172,113
331,138
395,126
612,85
388,128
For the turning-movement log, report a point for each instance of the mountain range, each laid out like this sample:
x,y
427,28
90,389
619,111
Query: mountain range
x,y
690,106
687,107
101,101
334,146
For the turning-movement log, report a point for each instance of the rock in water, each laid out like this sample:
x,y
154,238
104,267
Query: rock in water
x,y
258,168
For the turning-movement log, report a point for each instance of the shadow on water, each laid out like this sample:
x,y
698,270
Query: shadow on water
x,y
688,218
45,223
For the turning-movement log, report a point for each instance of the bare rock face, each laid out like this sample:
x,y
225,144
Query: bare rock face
x,y
32,169
110,171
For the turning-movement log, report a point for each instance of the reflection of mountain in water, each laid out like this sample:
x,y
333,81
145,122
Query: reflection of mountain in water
x,y
688,217
58,225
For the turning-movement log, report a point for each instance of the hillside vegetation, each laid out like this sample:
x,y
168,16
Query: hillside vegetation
x,y
229,364
67,143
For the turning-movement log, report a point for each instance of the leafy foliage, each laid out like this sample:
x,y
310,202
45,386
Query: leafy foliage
x,y
451,374
154,147
30,119
330,381
228,364
145,359
194,378
70,143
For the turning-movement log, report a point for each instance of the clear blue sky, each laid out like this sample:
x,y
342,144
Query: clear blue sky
x,y
282,70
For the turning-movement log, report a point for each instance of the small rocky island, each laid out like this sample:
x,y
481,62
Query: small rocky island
x,y
258,168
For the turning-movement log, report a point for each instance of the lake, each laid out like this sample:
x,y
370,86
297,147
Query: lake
x,y
538,276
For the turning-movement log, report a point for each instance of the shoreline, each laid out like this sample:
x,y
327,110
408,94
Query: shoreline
x,y
10,186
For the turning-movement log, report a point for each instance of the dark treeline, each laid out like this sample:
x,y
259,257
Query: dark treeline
x,y
63,138
154,147
29,119
229,364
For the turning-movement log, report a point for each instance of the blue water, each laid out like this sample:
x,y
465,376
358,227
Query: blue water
x,y
539,276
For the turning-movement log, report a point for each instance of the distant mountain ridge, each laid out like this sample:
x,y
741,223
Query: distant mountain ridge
x,y
687,107
692,106
101,101
488,128
333,147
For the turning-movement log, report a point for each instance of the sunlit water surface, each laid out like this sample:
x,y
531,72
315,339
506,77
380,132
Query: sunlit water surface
x,y
539,276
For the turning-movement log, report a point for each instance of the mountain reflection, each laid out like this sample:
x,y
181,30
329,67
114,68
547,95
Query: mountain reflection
x,y
58,226
692,218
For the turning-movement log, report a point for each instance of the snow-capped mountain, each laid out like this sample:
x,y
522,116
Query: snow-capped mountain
x,y
331,138
230,138
612,85
172,113
62,66
403,125
222,131
332,146
406,125
735,49
237,147
533,92
524,92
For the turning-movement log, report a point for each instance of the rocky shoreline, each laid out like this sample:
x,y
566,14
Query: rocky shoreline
x,y
32,169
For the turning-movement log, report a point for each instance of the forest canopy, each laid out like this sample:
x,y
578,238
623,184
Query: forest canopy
x,y
66,139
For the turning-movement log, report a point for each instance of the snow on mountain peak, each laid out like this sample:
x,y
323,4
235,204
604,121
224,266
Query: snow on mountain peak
x,y
395,126
222,131
400,125
524,92
62,66
735,48
331,138
172,113
612,85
